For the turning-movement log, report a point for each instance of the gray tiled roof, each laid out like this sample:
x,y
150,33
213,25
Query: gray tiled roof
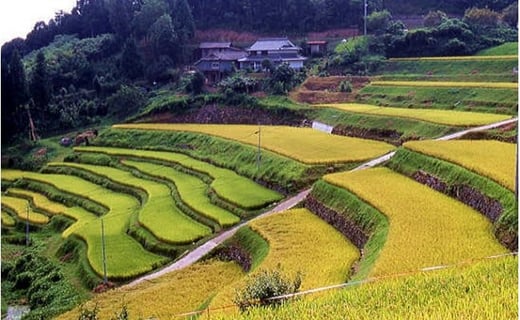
x,y
271,44
277,57
214,45
224,56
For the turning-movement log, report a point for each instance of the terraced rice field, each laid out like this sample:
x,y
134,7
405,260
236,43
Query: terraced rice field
x,y
447,84
302,144
23,210
178,292
158,214
119,246
446,117
227,184
54,208
191,189
426,228
299,241
493,159
7,220
485,290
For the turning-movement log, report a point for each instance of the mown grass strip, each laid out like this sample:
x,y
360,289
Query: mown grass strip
x,y
486,290
493,159
299,241
447,84
508,48
465,99
119,246
302,144
158,214
191,189
446,117
23,210
7,219
227,184
455,58
174,293
427,228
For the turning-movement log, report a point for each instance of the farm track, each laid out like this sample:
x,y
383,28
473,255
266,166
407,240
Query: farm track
x,y
204,249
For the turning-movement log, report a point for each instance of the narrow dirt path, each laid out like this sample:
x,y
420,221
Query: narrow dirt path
x,y
204,249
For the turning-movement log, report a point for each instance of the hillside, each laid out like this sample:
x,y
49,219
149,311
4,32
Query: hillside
x,y
375,171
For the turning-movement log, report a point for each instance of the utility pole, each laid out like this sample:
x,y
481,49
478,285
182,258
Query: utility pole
x,y
27,240
365,5
103,251
259,154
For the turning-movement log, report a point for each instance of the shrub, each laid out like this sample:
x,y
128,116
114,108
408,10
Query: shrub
x,y
345,86
264,285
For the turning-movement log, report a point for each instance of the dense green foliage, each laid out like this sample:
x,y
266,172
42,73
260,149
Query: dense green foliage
x,y
41,281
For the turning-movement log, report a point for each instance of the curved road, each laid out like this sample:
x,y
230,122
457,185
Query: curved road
x,y
205,248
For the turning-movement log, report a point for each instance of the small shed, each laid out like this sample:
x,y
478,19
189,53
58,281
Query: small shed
x,y
317,47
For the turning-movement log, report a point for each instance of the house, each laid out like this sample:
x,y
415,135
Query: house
x,y
317,47
274,50
218,60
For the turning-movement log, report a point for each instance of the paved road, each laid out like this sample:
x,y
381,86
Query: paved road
x,y
204,249
486,127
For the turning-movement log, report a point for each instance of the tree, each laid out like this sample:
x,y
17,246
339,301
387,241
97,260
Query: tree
x,y
14,96
510,15
163,37
120,16
151,10
195,83
131,62
282,79
481,17
434,18
125,101
182,19
378,21
40,87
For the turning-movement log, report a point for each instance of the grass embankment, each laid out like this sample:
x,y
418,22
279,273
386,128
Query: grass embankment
x,y
302,144
506,226
484,290
119,246
503,101
174,293
192,191
391,129
299,241
508,48
228,185
277,171
446,84
23,210
350,207
471,69
426,228
493,159
159,214
445,117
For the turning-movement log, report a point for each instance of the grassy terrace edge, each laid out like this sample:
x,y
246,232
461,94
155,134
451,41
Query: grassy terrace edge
x,y
361,223
408,162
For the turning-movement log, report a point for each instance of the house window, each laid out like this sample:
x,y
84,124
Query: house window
x,y
215,65
264,53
